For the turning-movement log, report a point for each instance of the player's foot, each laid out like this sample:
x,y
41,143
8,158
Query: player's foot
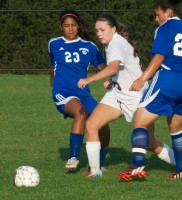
x,y
175,175
72,163
102,169
93,174
131,172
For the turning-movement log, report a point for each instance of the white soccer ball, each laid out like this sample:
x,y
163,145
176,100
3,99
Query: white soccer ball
x,y
26,176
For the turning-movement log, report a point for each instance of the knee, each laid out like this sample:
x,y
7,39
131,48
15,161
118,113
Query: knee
x,y
92,128
175,124
89,126
81,115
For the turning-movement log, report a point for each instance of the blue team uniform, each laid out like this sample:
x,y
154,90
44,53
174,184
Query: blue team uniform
x,y
70,61
164,95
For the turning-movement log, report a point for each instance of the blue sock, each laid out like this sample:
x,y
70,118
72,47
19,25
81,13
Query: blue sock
x,y
76,141
140,141
177,147
103,153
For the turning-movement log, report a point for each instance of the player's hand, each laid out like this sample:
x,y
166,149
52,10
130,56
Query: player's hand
x,y
83,82
137,85
108,84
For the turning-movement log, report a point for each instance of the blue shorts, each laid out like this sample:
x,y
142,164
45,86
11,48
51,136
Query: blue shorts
x,y
164,95
61,98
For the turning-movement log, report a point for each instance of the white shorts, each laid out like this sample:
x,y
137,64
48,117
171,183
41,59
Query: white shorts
x,y
127,109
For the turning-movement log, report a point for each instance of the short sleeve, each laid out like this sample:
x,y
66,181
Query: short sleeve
x,y
96,57
118,52
50,53
160,44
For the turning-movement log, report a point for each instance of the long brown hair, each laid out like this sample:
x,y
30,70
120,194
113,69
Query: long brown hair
x,y
120,28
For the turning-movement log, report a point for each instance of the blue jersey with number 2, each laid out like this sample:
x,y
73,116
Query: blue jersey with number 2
x,y
164,95
168,42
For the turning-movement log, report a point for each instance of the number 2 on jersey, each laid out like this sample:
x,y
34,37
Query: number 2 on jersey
x,y
72,57
178,46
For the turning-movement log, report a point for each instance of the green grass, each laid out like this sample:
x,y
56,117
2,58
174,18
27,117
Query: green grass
x,y
34,133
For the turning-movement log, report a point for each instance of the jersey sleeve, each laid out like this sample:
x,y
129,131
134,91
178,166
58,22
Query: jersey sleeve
x,y
160,44
96,57
50,53
118,52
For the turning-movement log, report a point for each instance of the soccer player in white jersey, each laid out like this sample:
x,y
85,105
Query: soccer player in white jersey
x,y
123,68
164,95
71,57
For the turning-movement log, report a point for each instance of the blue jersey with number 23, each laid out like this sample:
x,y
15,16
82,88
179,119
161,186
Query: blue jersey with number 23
x,y
70,61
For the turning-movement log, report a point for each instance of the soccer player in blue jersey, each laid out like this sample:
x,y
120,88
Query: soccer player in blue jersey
x,y
71,55
164,95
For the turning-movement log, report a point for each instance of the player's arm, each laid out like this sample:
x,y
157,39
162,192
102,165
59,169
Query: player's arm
x,y
51,75
152,68
101,67
108,71
107,84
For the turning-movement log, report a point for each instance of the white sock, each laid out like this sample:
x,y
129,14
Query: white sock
x,y
93,153
167,155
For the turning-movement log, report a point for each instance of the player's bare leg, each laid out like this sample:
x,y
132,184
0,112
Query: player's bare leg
x,y
75,109
99,118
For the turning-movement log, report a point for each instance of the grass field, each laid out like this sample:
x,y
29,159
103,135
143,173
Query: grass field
x,y
34,133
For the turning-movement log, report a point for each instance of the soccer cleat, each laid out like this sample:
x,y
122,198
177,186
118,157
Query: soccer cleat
x,y
131,172
72,163
93,174
175,175
102,169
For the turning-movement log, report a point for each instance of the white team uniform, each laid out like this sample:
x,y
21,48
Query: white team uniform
x,y
120,97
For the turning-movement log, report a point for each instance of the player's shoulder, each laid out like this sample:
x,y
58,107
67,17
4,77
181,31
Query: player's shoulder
x,y
56,39
118,41
170,22
87,43
175,22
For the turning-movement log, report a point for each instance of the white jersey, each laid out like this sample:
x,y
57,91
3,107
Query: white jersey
x,y
120,49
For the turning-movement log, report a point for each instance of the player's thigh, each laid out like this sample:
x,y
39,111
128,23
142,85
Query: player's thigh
x,y
144,118
102,115
74,107
175,123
